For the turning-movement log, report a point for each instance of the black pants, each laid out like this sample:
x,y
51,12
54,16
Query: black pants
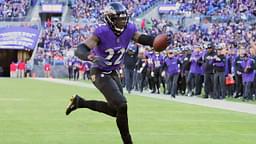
x,y
110,86
162,79
76,73
156,79
182,83
142,80
219,85
128,78
208,84
239,85
173,84
136,81
248,90
150,81
194,81
70,72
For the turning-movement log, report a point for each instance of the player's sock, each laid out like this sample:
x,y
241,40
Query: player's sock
x,y
98,106
122,123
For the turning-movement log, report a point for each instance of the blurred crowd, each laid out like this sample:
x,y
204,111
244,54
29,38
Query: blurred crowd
x,y
14,8
58,39
232,35
214,60
216,7
91,9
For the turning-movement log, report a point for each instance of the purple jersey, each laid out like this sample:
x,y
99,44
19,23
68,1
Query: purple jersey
x,y
248,77
111,47
150,56
158,60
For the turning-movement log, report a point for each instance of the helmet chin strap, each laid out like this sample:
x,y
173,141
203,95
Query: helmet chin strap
x,y
116,30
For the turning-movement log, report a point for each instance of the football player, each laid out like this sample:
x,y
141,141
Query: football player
x,y
109,42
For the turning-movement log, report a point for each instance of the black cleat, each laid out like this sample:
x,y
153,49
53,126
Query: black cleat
x,y
153,91
73,104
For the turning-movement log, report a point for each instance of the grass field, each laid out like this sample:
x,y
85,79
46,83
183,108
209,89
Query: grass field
x,y
32,112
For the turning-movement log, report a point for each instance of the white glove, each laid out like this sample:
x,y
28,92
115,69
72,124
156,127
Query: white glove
x,y
152,74
209,57
163,74
238,72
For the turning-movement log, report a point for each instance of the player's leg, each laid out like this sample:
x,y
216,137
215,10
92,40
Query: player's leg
x,y
107,86
111,87
100,106
122,116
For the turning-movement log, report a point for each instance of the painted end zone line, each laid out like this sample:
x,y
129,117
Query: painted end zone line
x,y
220,104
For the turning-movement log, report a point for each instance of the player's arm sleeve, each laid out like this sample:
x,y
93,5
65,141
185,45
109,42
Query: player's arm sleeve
x,y
143,39
83,49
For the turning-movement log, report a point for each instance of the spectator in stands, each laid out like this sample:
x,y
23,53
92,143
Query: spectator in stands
x,y
13,70
91,10
47,70
21,69
29,67
14,8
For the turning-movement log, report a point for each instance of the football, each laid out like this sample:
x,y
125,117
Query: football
x,y
160,42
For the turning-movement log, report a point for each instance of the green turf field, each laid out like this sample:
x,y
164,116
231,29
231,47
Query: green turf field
x,y
32,112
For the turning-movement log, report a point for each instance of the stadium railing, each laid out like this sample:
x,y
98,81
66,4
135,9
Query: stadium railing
x,y
15,19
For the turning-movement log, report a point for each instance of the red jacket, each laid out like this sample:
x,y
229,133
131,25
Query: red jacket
x,y
143,24
21,66
13,67
47,67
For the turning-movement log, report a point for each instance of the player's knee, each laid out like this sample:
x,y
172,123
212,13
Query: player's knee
x,y
122,108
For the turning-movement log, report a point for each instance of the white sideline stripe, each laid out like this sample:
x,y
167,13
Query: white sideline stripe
x,y
134,133
147,120
220,104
